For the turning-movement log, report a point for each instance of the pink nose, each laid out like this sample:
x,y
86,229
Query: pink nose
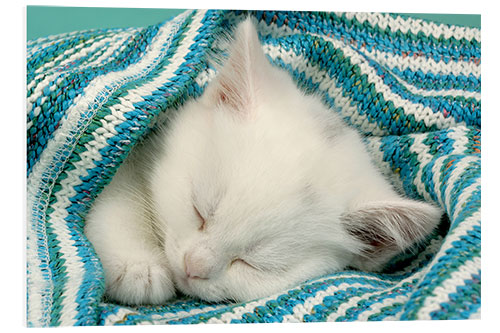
x,y
197,265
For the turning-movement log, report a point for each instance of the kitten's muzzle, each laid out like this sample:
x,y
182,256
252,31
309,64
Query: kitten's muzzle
x,y
198,264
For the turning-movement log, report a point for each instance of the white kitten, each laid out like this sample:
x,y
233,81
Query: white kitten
x,y
252,189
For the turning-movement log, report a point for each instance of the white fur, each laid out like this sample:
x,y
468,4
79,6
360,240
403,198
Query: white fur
x,y
280,181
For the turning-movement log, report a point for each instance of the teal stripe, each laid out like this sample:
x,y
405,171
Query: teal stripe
x,y
364,305
449,262
60,277
361,35
440,81
50,53
462,303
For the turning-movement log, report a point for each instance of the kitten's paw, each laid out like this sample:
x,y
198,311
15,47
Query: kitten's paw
x,y
137,283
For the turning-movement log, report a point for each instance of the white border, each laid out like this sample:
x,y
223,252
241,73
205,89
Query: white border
x,y
13,142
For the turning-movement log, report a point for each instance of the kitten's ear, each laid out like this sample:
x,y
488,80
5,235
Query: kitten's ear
x,y
240,77
387,228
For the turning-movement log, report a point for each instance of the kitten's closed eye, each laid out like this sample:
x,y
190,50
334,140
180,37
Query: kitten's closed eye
x,y
239,261
200,218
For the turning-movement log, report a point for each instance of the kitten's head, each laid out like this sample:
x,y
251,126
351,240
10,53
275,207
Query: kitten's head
x,y
242,189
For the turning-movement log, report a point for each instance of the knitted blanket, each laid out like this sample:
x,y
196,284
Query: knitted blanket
x,y
412,87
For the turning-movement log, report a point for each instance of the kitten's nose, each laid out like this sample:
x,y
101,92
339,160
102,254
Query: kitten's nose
x,y
197,264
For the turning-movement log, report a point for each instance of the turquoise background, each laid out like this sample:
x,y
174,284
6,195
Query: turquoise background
x,y
49,20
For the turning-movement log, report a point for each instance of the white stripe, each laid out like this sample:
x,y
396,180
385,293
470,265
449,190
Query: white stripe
x,y
74,52
426,65
344,104
298,311
390,60
452,237
87,161
165,318
105,58
424,158
91,47
238,312
36,183
377,155
376,307
395,317
39,303
458,135
43,42
118,316
436,175
442,92
455,178
62,75
40,86
415,26
342,309
205,76
459,231
432,248
290,319
418,110
476,315
442,293
464,197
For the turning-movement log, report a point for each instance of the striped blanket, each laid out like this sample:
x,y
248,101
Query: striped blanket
x,y
412,87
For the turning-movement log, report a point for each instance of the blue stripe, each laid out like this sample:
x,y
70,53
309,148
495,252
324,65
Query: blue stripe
x,y
58,102
38,224
364,36
440,81
92,183
367,100
94,268
58,47
387,311
470,176
364,305
284,304
462,303
449,165
460,108
396,151
453,257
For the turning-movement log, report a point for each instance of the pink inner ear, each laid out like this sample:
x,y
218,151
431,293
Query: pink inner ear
x,y
229,95
222,97
376,239
240,77
390,227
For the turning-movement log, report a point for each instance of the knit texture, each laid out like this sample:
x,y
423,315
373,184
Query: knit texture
x,y
411,87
